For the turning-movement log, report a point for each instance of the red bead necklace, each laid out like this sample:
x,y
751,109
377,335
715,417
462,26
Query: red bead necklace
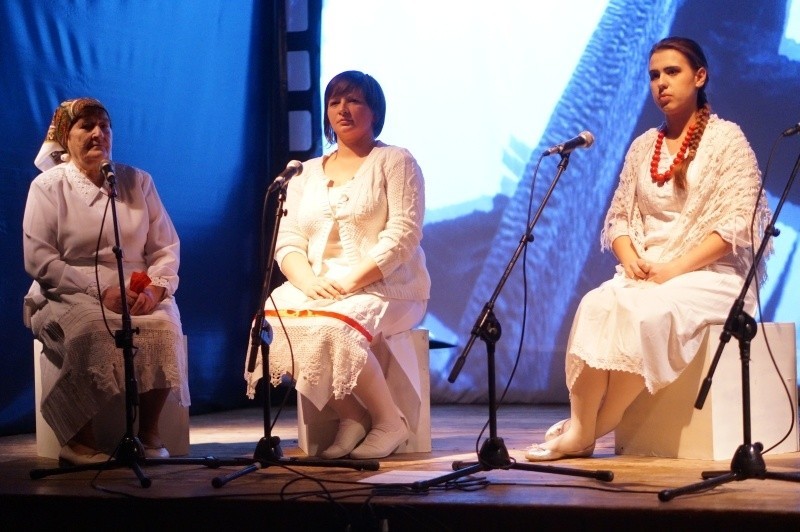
x,y
666,176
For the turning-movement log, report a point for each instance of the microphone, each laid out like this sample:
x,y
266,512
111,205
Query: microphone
x,y
291,170
792,130
584,140
107,169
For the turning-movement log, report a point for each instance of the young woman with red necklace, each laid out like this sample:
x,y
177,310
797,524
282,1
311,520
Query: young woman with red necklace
x,y
680,225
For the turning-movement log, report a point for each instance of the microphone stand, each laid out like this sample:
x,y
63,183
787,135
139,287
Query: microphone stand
x,y
493,453
130,451
747,461
268,450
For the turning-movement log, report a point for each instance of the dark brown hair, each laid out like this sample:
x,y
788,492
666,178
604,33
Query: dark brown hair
x,y
693,53
697,59
347,82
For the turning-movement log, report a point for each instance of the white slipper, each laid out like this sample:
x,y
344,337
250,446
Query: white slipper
x,y
382,441
68,456
556,430
350,434
155,452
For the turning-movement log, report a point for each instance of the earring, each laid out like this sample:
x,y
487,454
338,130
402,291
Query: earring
x,y
64,157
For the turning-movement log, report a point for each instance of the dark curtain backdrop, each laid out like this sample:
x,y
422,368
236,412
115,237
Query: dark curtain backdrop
x,y
190,88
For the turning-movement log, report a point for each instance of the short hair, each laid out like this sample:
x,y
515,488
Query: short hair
x,y
347,82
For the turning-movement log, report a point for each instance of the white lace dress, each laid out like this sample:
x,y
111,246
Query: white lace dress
x,y
655,330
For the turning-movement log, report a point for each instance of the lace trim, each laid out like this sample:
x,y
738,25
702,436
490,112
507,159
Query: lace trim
x,y
82,184
93,373
578,358
319,352
343,353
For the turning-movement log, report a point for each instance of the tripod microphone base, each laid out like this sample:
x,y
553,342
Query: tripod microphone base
x,y
268,453
268,449
494,455
129,453
747,463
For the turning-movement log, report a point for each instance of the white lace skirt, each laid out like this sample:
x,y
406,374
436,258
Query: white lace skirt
x,y
323,343
653,330
89,367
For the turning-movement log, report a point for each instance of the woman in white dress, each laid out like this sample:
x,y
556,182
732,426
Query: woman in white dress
x,y
73,306
682,224
349,246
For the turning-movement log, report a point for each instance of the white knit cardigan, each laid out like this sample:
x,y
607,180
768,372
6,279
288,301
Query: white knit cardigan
x,y
380,215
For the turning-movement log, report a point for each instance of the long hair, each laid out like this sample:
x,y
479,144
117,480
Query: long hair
x,y
697,59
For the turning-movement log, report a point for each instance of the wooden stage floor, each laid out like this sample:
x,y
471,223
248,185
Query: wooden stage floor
x,y
300,497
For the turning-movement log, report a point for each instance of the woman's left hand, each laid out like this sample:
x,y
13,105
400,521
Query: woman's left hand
x,y
661,272
147,300
712,248
322,288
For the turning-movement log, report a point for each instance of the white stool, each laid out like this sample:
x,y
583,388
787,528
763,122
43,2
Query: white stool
x,y
109,424
410,390
667,424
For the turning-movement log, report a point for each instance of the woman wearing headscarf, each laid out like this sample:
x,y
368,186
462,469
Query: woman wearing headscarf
x,y
75,302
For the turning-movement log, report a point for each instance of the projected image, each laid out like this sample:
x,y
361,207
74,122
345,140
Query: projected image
x,y
477,94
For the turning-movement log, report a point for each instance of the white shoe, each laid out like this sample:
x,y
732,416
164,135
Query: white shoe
x,y
556,430
382,441
350,434
155,452
537,453
68,456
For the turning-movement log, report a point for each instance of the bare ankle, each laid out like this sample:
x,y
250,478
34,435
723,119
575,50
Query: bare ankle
x,y
150,439
82,447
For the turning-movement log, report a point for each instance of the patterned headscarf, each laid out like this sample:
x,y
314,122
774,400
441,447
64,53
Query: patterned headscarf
x,y
53,149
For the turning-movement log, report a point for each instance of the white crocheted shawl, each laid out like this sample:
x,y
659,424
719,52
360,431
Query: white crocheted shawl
x,y
725,195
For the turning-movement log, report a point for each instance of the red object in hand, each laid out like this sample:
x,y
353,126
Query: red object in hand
x,y
139,280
